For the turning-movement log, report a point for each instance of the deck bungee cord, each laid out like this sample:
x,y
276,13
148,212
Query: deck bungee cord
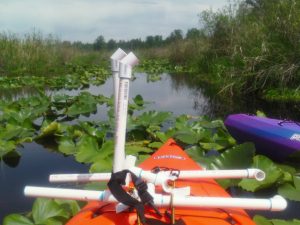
x,y
154,188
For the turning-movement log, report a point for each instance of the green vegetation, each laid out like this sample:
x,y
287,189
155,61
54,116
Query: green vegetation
x,y
35,55
45,211
247,48
75,77
260,220
250,47
45,118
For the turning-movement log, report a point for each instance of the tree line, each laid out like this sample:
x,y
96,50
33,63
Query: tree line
x,y
150,41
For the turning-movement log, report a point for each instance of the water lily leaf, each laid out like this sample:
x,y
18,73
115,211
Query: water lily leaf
x,y
106,151
163,137
44,209
141,158
95,186
138,100
238,157
260,220
52,221
21,117
289,191
134,148
187,136
285,222
211,146
49,129
15,132
6,147
71,206
17,219
66,145
87,149
101,165
155,145
181,122
288,172
273,174
196,153
297,182
211,124
84,103
152,118
260,113
91,130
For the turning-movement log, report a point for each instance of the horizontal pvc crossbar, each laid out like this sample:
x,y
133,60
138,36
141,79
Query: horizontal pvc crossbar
x,y
277,203
185,174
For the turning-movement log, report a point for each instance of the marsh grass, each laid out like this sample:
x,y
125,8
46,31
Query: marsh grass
x,y
245,48
34,54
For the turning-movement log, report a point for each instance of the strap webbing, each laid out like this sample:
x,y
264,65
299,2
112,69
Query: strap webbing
x,y
115,186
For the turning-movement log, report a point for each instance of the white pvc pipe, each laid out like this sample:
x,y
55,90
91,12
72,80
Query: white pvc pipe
x,y
126,65
257,174
184,174
160,179
88,177
69,194
115,61
277,203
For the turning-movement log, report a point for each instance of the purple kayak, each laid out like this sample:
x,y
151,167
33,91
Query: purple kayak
x,y
274,138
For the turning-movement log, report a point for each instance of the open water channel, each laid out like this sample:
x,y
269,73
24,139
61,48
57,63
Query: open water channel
x,y
175,93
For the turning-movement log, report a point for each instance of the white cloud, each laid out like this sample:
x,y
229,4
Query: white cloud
x,y
118,19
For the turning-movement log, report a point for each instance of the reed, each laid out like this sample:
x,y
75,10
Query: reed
x,y
34,54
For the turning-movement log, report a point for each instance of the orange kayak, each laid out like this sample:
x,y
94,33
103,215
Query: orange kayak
x,y
172,156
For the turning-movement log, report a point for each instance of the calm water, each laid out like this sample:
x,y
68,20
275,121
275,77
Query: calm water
x,y
178,94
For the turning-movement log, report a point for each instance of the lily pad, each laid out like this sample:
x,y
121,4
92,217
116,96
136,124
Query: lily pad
x,y
272,171
291,191
45,209
17,219
238,157
138,100
66,145
87,149
6,147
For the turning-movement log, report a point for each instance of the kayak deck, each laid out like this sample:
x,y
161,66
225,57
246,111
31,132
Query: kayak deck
x,y
170,155
275,138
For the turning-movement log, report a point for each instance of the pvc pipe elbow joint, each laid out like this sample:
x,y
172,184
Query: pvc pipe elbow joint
x,y
126,65
258,174
115,59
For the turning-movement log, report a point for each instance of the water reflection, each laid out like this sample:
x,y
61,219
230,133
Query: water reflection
x,y
207,101
17,93
178,93
33,169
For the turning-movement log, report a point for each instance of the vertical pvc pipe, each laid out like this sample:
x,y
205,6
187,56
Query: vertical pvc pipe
x,y
115,61
126,65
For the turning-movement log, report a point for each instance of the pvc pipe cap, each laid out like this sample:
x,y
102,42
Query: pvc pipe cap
x,y
278,203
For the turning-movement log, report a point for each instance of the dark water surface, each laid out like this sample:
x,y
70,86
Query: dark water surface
x,y
175,93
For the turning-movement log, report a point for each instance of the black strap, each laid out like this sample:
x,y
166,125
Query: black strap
x,y
115,186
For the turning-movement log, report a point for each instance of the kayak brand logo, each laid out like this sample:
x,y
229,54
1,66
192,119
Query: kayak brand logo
x,y
170,157
295,137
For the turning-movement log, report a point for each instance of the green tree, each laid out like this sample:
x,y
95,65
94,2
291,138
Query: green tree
x,y
99,43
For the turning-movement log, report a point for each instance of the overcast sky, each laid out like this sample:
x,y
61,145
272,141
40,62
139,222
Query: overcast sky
x,y
84,20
